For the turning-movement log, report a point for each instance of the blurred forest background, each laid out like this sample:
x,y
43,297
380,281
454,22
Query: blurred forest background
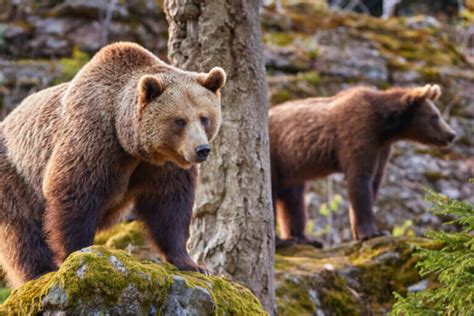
x,y
312,48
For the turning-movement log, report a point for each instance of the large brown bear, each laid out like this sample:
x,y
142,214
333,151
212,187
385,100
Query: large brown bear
x,y
351,133
127,129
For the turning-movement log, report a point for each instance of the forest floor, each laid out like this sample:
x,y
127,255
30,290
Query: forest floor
x,y
352,278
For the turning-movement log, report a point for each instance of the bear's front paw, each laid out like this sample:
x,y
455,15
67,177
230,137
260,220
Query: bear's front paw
x,y
310,241
374,235
281,243
187,264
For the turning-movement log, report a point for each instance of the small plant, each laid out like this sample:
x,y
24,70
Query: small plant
x,y
404,230
452,264
327,210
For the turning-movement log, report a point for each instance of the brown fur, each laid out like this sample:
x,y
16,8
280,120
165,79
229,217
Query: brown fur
x,y
73,156
352,133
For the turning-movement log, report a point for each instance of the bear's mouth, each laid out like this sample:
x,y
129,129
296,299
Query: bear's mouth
x,y
191,159
182,162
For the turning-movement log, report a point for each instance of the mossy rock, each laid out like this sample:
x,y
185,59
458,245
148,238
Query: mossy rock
x,y
410,55
351,279
121,236
100,281
290,87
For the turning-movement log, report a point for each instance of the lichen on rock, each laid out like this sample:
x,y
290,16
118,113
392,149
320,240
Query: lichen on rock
x,y
97,280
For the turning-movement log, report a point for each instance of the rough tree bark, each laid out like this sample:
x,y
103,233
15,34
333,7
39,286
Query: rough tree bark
x,y
232,231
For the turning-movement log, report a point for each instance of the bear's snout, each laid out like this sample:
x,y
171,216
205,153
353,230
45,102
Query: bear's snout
x,y
202,152
451,137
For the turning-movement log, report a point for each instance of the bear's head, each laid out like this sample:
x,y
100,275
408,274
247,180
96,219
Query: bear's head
x,y
179,114
424,122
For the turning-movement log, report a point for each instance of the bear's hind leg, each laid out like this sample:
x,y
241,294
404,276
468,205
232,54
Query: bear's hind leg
x,y
291,216
24,254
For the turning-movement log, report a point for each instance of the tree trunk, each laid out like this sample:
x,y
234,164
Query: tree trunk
x,y
232,231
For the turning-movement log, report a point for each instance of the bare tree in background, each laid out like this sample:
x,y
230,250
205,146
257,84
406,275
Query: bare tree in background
x,y
232,232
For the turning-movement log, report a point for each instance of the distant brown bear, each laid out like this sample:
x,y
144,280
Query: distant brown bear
x,y
127,129
352,133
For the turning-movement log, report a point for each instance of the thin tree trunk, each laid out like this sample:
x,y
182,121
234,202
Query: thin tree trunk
x,y
232,231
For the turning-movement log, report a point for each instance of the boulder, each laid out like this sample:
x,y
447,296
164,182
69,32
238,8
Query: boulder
x,y
101,281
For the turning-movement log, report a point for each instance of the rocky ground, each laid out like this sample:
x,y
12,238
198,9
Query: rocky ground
x,y
350,279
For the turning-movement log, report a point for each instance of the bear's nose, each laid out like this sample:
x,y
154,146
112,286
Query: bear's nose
x,y
451,137
202,151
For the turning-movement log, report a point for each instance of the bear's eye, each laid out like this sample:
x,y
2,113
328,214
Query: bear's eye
x,y
204,120
180,122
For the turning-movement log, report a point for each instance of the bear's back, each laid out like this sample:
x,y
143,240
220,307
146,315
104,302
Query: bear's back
x,y
29,130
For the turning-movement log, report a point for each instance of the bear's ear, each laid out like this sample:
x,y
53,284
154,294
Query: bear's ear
x,y
428,92
214,80
149,88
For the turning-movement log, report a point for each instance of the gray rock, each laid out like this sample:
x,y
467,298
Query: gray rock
x,y
417,287
185,301
56,297
91,8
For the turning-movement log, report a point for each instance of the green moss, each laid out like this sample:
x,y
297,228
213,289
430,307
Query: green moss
x,y
280,96
379,280
70,66
280,263
65,68
398,64
313,53
430,74
294,299
121,235
278,38
301,85
386,40
230,299
336,296
311,77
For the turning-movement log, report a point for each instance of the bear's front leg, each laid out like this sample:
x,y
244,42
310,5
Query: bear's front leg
x,y
165,207
361,211
75,188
